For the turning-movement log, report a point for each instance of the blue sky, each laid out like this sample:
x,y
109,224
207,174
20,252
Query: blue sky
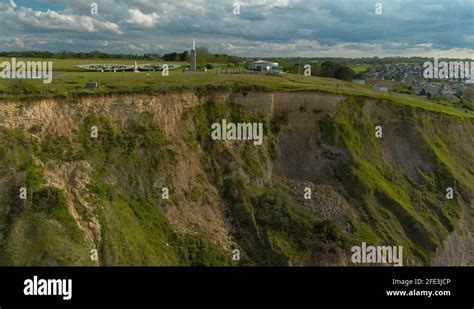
x,y
307,28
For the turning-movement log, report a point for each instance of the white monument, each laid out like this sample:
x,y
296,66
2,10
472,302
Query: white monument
x,y
193,66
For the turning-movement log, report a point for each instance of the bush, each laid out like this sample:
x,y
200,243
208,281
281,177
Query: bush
x,y
329,230
327,129
198,251
34,176
48,200
279,120
21,86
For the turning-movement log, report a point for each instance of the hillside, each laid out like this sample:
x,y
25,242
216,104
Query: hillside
x,y
106,193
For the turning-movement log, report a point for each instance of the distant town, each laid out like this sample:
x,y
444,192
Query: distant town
x,y
408,78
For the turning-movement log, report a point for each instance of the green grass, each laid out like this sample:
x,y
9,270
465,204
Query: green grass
x,y
134,234
41,230
38,239
364,233
358,68
69,82
400,212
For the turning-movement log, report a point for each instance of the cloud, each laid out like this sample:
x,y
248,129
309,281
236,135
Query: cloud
x,y
143,20
264,27
39,21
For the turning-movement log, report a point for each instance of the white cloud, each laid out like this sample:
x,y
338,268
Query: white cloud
x,y
19,42
53,20
138,18
135,47
265,27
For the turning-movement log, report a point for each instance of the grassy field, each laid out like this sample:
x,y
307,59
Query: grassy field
x,y
358,68
70,82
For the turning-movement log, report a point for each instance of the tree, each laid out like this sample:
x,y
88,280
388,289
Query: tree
x,y
344,73
202,56
184,56
335,70
171,57
328,69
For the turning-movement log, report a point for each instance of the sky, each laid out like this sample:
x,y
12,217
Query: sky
x,y
284,28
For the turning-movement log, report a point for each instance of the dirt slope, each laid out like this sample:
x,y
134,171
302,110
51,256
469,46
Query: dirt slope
x,y
106,193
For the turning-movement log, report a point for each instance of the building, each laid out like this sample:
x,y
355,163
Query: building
x,y
381,86
359,81
193,58
264,66
277,70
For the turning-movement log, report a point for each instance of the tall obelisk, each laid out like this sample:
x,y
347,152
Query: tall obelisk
x,y
135,67
193,58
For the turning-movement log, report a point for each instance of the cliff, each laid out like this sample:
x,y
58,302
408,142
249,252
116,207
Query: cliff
x,y
108,193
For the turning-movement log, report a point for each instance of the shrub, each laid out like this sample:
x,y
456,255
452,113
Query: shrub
x,y
48,200
279,120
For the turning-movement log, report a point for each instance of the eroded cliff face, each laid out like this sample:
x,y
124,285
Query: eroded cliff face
x,y
109,193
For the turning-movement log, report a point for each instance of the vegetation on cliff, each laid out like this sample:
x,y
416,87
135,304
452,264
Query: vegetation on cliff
x,y
395,186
